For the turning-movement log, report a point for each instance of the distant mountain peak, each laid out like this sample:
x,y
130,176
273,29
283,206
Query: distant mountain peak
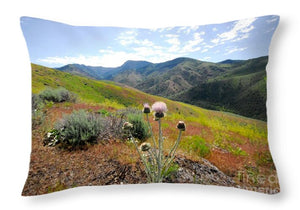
x,y
134,64
230,61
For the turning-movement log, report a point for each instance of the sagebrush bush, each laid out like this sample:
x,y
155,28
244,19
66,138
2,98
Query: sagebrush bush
x,y
140,128
79,128
36,102
37,113
57,95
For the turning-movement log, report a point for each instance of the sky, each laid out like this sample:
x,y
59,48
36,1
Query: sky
x,y
54,44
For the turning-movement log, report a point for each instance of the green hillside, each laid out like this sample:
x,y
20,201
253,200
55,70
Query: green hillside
x,y
237,86
237,145
108,93
241,90
116,95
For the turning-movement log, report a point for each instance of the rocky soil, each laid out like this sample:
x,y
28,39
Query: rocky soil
x,y
47,178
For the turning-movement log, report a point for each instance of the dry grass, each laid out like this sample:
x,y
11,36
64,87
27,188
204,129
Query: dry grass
x,y
53,169
229,159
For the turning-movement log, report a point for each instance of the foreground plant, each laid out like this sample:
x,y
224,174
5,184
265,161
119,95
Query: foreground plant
x,y
77,129
156,163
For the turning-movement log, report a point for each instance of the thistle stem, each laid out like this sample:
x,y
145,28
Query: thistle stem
x,y
153,164
148,171
171,155
160,152
153,139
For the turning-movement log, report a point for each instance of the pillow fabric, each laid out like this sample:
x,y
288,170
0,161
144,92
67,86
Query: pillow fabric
x,y
182,104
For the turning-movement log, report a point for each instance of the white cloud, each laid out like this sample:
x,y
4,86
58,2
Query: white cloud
x,y
171,35
229,51
160,30
193,45
198,35
270,30
208,46
173,41
215,41
145,42
194,28
187,29
130,37
81,59
272,19
206,58
239,31
174,48
180,29
241,37
127,37
110,58
204,50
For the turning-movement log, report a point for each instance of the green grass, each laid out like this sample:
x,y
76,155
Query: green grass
x,y
115,96
196,145
236,145
88,90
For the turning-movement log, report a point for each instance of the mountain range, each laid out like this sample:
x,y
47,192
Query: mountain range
x,y
237,86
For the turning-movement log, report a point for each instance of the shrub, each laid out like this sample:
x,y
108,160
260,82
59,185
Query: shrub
x,y
36,102
79,128
45,99
57,95
140,128
37,113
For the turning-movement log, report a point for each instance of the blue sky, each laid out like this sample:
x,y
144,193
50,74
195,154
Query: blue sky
x,y
55,44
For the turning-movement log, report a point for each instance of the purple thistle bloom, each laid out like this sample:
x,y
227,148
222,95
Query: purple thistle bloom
x,y
159,107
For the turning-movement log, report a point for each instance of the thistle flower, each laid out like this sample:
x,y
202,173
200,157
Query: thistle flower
x,y
146,109
127,126
145,146
160,108
181,126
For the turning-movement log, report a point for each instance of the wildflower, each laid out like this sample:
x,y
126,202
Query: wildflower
x,y
127,126
146,109
160,108
145,146
181,126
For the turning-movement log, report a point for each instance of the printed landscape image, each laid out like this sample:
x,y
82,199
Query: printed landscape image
x,y
121,106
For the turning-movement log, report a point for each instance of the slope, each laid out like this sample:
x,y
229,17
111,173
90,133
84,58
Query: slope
x,y
231,85
241,90
233,143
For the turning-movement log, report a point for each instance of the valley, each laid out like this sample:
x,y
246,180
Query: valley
x,y
237,86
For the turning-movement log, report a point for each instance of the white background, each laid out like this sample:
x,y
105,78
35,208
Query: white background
x,y
283,102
